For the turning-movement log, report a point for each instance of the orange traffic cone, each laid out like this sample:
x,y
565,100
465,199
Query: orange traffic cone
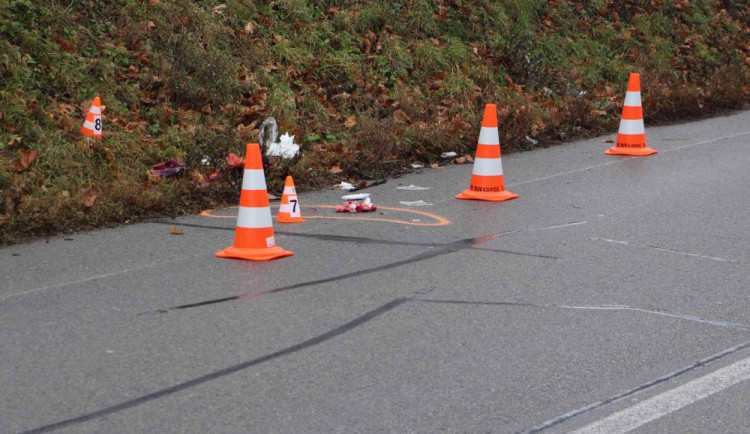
x,y
487,182
289,210
631,139
253,237
92,127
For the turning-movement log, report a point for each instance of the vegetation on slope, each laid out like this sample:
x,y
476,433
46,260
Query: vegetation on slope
x,y
365,86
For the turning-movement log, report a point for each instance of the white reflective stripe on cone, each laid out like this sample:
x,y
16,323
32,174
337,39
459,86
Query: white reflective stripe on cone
x,y
96,110
254,218
488,167
88,125
632,99
290,190
489,136
253,179
285,207
631,126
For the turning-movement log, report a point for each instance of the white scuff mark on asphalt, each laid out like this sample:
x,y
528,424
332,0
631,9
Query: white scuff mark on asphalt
x,y
662,249
100,276
413,187
689,318
415,203
671,401
566,225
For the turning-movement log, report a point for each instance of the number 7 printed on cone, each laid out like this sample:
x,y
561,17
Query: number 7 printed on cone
x,y
487,182
289,209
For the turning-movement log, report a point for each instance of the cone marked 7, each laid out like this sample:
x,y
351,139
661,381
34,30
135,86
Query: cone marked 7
x,y
289,210
487,181
631,138
92,127
253,237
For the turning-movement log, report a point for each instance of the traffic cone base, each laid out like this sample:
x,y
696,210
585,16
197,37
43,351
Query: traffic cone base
x,y
468,194
265,254
633,152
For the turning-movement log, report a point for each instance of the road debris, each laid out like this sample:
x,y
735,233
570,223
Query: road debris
x,y
354,206
413,187
168,168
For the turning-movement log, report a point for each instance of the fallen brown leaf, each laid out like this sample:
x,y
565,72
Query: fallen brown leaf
x,y
24,161
609,141
351,121
335,169
460,160
89,196
400,116
175,231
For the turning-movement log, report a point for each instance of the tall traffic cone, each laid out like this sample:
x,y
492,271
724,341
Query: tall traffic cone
x,y
92,127
631,139
487,182
289,210
253,237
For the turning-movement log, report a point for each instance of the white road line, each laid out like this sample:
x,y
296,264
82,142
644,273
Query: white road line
x,y
622,160
670,401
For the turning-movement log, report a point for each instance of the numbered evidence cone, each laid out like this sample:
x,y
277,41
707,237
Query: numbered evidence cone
x,y
487,181
631,139
92,127
253,237
289,210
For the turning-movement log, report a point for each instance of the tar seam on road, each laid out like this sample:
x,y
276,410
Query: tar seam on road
x,y
662,249
226,371
444,249
699,364
605,307
622,160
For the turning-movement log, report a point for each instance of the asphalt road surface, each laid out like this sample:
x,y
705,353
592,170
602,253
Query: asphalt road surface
x,y
612,296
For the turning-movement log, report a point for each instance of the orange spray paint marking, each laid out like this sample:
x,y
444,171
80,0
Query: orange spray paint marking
x,y
439,221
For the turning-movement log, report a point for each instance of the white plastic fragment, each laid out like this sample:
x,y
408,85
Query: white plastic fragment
x,y
358,196
286,148
413,187
415,203
417,165
448,155
531,141
347,186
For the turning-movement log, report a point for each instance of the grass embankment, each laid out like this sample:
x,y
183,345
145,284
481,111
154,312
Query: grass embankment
x,y
365,86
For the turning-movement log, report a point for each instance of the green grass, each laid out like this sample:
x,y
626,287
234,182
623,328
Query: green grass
x,y
201,76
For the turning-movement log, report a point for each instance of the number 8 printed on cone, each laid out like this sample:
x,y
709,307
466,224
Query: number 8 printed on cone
x,y
92,127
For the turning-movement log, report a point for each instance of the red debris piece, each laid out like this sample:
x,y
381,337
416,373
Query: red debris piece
x,y
168,168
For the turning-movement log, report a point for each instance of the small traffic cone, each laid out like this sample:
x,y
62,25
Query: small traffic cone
x,y
289,210
92,127
253,237
487,182
631,138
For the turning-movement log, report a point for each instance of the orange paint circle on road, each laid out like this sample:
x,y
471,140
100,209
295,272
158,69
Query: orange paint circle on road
x,y
438,221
